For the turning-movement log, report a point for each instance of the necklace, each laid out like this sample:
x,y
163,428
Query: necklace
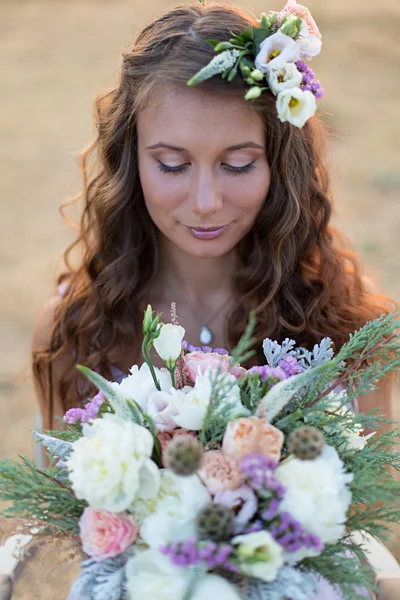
x,y
206,336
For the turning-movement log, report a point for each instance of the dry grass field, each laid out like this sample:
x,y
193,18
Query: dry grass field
x,y
56,54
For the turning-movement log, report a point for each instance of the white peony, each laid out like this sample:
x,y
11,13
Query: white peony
x,y
309,44
259,554
162,407
193,409
152,576
283,77
317,493
139,384
172,517
277,49
110,465
296,106
168,345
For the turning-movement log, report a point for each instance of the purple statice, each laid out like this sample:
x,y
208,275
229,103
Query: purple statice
x,y
291,536
309,83
290,366
193,552
265,373
86,414
186,347
258,470
220,351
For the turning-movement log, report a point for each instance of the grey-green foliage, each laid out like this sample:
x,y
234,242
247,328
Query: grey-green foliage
x,y
219,64
36,493
275,352
100,580
290,583
58,448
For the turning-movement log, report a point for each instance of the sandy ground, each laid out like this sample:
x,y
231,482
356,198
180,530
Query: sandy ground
x,y
56,54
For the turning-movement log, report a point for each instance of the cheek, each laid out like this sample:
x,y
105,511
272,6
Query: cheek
x,y
249,193
161,194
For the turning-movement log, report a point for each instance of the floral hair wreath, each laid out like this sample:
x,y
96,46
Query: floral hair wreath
x,y
272,57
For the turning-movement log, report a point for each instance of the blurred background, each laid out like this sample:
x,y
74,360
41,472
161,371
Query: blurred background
x,y
55,55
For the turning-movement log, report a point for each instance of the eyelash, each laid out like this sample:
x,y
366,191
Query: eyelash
x,y
182,168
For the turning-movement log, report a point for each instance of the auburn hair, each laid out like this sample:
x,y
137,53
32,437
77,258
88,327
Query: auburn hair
x,y
294,268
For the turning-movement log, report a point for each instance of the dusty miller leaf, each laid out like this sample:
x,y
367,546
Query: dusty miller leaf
x,y
290,583
274,352
58,448
100,580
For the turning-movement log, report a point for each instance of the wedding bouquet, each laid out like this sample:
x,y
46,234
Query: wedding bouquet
x,y
203,479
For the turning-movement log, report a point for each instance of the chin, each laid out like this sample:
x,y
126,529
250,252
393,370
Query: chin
x,y
208,249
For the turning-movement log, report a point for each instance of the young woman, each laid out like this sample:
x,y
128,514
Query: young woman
x,y
197,196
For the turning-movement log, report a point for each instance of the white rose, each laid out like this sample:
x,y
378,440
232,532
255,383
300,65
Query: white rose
x,y
162,407
172,517
276,50
168,345
262,545
354,439
150,575
140,384
296,106
283,77
193,409
309,44
110,465
317,493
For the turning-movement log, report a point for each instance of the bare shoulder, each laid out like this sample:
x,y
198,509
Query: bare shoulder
x,y
45,387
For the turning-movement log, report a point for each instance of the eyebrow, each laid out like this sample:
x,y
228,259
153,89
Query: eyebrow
x,y
180,149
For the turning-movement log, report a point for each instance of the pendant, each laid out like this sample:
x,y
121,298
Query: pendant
x,y
205,335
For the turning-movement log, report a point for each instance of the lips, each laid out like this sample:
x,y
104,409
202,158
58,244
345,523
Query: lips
x,y
207,233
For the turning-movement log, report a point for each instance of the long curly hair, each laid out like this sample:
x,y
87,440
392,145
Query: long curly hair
x,y
294,268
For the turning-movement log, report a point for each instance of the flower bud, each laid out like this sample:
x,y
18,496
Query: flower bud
x,y
168,343
306,443
215,522
257,75
148,319
183,455
253,93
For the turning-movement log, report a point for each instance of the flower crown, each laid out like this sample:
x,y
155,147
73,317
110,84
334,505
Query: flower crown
x,y
272,56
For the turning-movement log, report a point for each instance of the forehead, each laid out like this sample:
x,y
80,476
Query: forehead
x,y
196,119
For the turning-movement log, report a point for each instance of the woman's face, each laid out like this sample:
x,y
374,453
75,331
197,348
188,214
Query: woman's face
x,y
203,168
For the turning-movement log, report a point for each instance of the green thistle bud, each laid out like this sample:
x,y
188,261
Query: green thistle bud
x,y
183,455
306,443
264,21
215,522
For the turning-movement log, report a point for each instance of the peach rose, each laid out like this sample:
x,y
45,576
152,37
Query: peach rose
x,y
218,473
292,8
105,534
251,435
201,360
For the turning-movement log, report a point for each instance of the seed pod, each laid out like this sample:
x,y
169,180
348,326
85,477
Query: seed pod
x,y
183,455
306,443
215,522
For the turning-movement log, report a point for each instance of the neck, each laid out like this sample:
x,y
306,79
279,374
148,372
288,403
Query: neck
x,y
198,279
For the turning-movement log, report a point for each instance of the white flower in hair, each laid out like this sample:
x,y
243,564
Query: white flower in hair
x,y
277,49
295,106
310,44
283,77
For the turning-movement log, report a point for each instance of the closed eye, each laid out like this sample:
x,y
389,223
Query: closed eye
x,y
228,168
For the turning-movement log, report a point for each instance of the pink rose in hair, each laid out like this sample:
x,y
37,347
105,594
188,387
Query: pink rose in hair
x,y
251,435
218,473
201,360
292,8
105,534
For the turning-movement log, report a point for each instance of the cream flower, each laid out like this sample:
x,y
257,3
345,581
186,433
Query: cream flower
x,y
283,77
152,576
310,44
354,439
139,384
110,465
172,516
317,493
276,50
298,10
295,106
259,554
162,407
168,345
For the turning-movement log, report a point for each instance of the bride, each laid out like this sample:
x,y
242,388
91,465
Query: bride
x,y
197,196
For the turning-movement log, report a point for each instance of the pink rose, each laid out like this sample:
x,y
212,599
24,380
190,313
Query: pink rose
x,y
292,8
166,437
251,435
201,360
105,534
218,473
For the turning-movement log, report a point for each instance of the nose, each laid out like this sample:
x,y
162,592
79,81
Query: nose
x,y
204,195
